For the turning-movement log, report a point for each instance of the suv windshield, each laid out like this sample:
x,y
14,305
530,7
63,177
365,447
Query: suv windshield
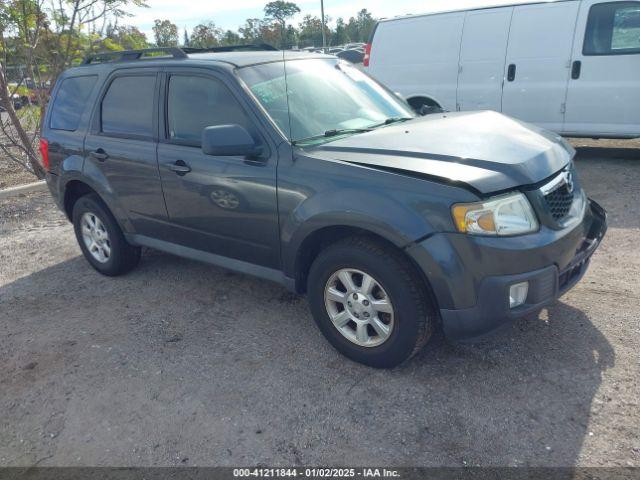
x,y
327,99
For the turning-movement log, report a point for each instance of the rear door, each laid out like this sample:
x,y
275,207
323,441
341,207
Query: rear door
x,y
224,205
538,63
604,90
482,55
121,147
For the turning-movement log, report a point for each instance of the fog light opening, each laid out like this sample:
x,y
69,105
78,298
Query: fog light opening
x,y
518,294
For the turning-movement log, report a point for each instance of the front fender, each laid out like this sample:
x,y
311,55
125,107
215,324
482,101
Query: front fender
x,y
373,212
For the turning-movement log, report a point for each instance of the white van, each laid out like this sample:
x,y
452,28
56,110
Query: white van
x,y
569,66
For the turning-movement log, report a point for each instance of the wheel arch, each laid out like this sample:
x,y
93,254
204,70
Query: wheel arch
x,y
76,187
323,237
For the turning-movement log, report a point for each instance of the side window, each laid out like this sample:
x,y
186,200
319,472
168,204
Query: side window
x,y
70,102
194,103
127,108
613,29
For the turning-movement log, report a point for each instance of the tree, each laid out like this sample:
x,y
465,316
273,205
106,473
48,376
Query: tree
x,y
185,39
165,33
230,38
251,31
205,35
127,38
310,31
280,11
339,36
40,39
359,28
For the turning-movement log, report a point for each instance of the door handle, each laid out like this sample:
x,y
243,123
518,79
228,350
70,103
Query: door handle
x,y
511,72
99,154
576,68
179,167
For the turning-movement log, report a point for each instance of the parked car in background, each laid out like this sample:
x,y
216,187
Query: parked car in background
x,y
354,55
311,174
572,67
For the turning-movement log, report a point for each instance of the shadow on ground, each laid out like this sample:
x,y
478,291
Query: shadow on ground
x,y
182,363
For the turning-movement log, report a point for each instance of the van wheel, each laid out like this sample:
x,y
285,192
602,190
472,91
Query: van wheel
x,y
369,303
101,239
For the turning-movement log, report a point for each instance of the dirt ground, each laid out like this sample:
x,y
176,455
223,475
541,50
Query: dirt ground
x,y
180,363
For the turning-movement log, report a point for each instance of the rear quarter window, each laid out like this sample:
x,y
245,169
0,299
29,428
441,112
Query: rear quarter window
x,y
70,102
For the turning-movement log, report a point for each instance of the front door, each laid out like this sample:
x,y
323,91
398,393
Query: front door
x,y
538,61
604,89
482,53
224,205
120,149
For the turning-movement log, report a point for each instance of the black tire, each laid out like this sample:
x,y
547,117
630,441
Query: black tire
x,y
123,256
414,313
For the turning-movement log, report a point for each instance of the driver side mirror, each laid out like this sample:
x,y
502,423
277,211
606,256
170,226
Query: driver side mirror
x,y
229,140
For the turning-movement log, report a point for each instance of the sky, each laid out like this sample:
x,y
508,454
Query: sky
x,y
230,14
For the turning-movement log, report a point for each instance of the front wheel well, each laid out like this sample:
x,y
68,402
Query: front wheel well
x,y
324,237
72,192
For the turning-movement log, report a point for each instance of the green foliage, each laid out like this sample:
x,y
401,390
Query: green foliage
x,y
280,10
165,33
206,35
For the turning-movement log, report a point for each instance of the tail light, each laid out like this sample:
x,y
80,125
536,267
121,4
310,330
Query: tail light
x,y
367,55
44,151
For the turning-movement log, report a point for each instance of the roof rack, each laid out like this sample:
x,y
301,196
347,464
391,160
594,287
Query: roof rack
x,y
130,55
252,47
174,52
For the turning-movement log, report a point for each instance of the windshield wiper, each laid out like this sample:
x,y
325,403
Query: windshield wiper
x,y
332,133
391,120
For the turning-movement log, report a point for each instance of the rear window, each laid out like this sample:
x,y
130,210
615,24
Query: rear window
x,y
613,29
127,108
70,102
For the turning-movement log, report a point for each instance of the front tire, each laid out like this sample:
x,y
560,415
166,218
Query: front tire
x,y
369,302
101,239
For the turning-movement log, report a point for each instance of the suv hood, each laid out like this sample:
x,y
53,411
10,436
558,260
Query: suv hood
x,y
487,151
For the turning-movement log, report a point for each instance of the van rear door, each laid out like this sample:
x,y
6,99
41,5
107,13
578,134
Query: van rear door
x,y
604,90
418,56
538,63
482,55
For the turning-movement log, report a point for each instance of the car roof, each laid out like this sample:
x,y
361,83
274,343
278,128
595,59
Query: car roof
x,y
437,8
229,59
244,59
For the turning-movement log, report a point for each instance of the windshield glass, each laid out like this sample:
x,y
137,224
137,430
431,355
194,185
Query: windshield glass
x,y
327,98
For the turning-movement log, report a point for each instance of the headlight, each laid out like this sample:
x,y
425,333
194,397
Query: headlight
x,y
504,215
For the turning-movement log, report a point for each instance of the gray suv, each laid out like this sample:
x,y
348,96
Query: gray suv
x,y
301,169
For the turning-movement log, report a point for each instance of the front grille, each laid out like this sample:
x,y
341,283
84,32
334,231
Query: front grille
x,y
559,202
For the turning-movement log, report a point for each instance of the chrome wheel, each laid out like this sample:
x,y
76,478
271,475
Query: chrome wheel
x,y
95,237
359,307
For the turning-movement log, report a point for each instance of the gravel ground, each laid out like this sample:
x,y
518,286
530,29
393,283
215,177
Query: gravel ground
x,y
180,363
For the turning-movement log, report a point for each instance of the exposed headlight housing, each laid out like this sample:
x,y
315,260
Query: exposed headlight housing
x,y
505,215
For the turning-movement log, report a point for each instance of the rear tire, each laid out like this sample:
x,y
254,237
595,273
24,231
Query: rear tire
x,y
101,239
397,313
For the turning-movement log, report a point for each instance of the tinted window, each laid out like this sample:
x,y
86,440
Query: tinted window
x,y
197,102
612,29
127,108
70,102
